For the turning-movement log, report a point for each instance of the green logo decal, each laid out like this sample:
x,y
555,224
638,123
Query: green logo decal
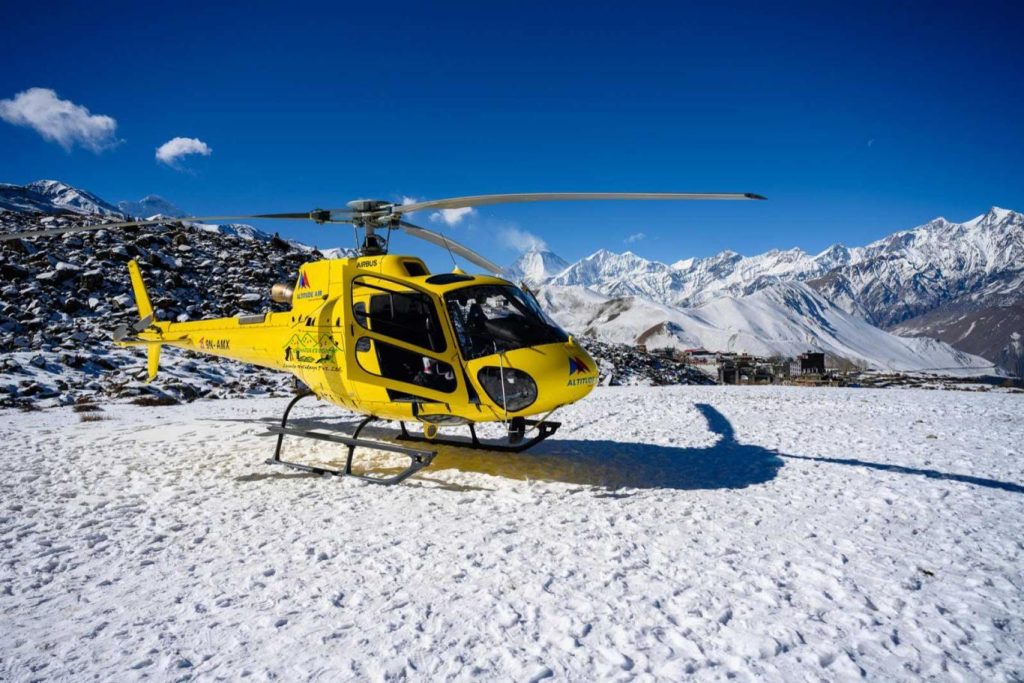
x,y
310,348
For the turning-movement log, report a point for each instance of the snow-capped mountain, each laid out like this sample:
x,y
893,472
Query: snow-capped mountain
x,y
536,266
691,281
785,319
53,196
241,230
929,281
887,281
993,332
150,205
915,271
732,302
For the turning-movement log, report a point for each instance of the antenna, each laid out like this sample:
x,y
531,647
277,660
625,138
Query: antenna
x,y
454,264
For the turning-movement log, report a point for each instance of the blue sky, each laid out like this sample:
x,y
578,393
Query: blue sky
x,y
855,119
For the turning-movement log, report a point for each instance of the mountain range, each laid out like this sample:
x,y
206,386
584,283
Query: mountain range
x,y
880,306
150,205
959,283
53,196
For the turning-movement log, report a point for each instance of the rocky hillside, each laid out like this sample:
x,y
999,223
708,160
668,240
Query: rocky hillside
x,y
61,298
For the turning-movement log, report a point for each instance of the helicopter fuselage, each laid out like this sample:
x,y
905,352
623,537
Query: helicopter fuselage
x,y
382,336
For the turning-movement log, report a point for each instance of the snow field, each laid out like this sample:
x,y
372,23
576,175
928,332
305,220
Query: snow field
x,y
747,532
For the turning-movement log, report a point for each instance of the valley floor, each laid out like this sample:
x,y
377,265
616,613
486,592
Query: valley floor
x,y
754,532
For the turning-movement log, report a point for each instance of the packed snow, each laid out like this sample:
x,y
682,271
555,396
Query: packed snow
x,y
713,532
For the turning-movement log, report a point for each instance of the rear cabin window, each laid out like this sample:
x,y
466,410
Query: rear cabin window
x,y
410,317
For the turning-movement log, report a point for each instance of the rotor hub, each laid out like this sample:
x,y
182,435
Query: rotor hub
x,y
368,205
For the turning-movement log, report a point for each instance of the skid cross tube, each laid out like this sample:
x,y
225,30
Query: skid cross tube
x,y
544,430
418,458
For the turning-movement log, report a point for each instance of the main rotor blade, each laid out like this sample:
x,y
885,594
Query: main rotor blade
x,y
46,232
448,243
487,199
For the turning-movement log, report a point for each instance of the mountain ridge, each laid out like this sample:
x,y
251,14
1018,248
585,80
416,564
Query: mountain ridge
x,y
53,196
926,280
707,301
150,205
783,320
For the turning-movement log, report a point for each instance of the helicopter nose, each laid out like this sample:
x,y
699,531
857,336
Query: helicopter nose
x,y
558,374
577,376
582,368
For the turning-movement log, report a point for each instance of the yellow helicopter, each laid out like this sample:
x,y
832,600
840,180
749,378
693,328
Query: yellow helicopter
x,y
382,336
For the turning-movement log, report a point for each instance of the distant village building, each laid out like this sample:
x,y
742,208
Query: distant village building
x,y
742,368
812,363
701,356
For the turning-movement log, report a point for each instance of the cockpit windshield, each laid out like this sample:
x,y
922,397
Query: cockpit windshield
x,y
493,318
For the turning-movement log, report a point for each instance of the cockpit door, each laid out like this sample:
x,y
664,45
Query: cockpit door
x,y
397,337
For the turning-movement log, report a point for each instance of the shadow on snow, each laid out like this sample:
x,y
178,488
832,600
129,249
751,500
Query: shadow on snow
x,y
727,464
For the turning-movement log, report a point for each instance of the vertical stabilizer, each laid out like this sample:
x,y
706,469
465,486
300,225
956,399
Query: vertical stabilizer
x,y
145,319
139,289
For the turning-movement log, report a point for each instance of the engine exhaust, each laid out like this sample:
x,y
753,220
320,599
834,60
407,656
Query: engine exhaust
x,y
282,294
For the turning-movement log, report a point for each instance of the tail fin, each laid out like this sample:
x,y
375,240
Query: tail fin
x,y
145,318
139,289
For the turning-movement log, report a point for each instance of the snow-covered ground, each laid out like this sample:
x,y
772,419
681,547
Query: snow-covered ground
x,y
759,532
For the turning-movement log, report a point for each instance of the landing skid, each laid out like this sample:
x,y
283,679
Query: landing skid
x,y
544,430
418,458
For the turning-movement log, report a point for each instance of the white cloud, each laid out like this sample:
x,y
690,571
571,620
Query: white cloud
x,y
452,216
173,150
60,121
635,237
407,201
521,240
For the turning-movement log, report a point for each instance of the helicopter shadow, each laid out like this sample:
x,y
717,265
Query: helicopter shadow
x,y
727,464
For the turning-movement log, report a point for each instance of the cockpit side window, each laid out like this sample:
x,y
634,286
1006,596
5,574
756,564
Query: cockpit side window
x,y
408,316
403,334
